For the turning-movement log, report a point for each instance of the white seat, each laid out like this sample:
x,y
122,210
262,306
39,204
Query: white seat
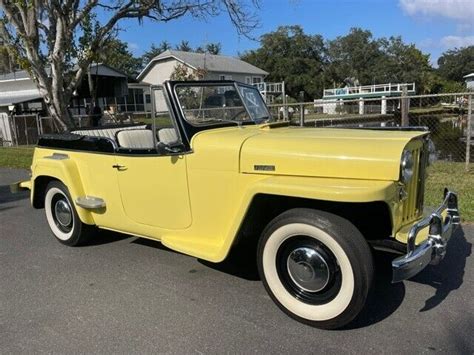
x,y
167,135
135,139
105,132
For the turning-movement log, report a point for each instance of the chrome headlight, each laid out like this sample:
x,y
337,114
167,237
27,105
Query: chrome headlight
x,y
406,166
432,155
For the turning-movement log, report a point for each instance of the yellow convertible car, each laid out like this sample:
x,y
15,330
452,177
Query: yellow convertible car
x,y
212,169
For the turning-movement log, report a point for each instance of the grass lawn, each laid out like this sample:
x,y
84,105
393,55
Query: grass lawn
x,y
453,176
20,157
440,175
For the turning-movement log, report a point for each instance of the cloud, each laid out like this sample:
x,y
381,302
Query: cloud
x,y
465,27
454,9
427,43
457,41
133,46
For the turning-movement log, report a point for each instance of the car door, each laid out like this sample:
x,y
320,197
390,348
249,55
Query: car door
x,y
153,182
154,190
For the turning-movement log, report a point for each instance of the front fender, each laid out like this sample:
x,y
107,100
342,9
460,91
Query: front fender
x,y
337,190
323,189
64,169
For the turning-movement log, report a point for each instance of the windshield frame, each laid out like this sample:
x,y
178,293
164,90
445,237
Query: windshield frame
x,y
223,83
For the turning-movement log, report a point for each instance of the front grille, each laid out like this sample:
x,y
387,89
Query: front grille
x,y
413,205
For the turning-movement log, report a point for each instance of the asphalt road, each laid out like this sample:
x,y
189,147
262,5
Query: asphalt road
x,y
124,294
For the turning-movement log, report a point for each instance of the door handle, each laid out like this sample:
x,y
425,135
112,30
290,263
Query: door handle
x,y
119,167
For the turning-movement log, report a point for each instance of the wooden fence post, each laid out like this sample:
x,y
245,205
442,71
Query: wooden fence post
x,y
405,106
302,115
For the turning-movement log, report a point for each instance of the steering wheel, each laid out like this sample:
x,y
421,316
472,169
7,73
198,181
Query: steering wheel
x,y
234,116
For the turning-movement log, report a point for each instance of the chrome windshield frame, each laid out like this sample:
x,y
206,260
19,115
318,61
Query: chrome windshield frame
x,y
223,84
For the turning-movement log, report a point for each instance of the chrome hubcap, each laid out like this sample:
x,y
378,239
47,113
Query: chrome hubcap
x,y
63,213
308,269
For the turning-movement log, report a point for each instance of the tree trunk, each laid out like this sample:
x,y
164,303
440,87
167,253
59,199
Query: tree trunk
x,y
61,117
56,100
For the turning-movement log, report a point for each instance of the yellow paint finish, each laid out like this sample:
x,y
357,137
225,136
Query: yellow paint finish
x,y
402,234
84,174
26,184
154,190
195,203
327,152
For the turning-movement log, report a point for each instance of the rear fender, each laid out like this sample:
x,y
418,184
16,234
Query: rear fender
x,y
61,167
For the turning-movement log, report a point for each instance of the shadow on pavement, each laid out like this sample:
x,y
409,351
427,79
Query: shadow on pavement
x,y
153,244
7,196
384,298
102,236
241,262
5,208
448,275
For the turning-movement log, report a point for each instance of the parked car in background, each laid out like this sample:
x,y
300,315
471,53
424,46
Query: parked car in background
x,y
214,170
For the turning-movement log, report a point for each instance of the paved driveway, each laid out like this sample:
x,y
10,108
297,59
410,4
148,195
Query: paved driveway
x,y
124,294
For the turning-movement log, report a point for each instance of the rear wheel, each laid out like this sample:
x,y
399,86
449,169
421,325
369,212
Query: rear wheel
x,y
316,266
62,216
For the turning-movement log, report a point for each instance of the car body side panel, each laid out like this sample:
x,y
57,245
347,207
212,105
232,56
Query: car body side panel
x,y
220,190
84,174
220,209
154,190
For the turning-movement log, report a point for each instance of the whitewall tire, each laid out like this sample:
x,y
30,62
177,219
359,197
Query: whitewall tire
x,y
62,216
316,266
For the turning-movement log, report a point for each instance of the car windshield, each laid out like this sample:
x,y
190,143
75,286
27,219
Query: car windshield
x,y
226,102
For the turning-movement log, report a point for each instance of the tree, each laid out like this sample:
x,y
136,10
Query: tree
x,y
6,63
150,54
354,55
404,63
116,54
65,36
308,63
291,55
184,73
455,63
184,46
211,48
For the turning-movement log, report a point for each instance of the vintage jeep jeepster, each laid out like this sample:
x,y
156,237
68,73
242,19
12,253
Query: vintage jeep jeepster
x,y
212,169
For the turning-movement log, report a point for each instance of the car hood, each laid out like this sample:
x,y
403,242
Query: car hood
x,y
325,152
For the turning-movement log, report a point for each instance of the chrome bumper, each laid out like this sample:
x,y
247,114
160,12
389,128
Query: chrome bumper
x,y
433,249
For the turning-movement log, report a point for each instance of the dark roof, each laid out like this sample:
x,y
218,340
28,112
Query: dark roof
x,y
106,70
209,62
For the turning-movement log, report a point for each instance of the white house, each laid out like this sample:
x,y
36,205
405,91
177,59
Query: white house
x,y
214,67
469,79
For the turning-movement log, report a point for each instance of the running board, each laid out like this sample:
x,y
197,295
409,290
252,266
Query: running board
x,y
90,202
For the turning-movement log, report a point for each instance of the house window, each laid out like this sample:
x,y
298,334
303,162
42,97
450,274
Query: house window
x,y
225,77
257,79
148,98
248,80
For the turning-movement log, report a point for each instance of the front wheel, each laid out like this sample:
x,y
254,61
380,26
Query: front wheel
x,y
62,216
316,267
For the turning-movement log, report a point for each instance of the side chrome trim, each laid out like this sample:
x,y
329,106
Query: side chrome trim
x,y
433,249
90,202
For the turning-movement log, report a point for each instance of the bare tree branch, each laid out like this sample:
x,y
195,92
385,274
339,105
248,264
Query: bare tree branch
x,y
57,40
